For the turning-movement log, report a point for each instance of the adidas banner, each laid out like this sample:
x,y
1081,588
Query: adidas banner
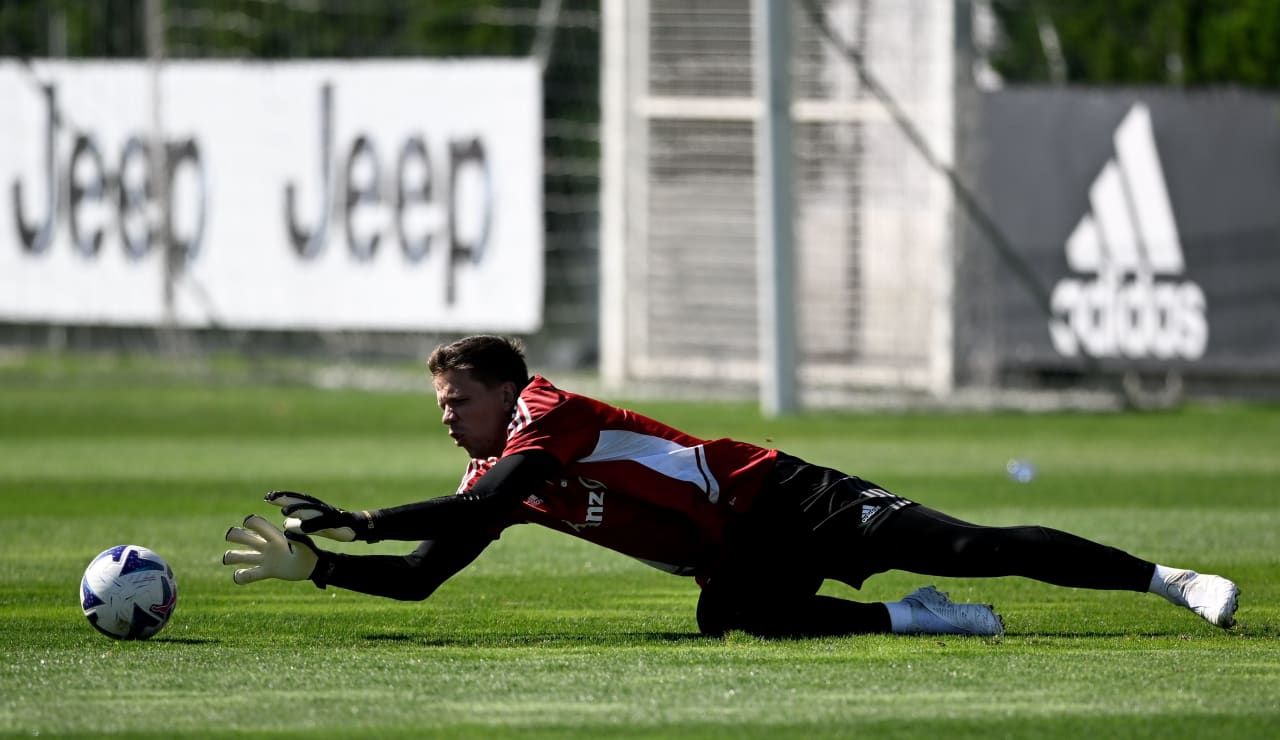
x,y
1149,220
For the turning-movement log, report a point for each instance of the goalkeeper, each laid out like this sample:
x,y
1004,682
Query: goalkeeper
x,y
758,529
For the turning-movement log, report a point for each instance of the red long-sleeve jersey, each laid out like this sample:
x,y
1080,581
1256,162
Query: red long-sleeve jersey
x,y
628,482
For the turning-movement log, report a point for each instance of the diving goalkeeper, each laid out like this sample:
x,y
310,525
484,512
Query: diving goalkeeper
x,y
758,529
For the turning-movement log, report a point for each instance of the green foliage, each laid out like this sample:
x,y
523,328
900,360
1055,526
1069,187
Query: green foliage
x,y
266,30
279,30
1110,42
547,636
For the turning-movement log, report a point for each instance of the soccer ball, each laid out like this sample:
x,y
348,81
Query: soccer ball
x,y
128,593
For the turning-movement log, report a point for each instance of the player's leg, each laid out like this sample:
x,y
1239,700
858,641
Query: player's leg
x,y
857,528
725,606
764,605
767,585
923,540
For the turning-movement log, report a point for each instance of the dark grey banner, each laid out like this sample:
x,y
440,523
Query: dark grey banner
x,y
1147,225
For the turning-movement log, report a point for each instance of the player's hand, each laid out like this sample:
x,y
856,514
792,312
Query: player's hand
x,y
309,515
274,555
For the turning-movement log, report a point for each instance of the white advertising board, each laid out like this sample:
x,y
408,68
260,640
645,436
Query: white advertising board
x,y
373,195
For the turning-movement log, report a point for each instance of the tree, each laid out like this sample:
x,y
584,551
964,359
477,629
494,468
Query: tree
x,y
1173,42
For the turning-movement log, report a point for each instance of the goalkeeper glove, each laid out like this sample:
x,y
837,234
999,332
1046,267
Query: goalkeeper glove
x,y
274,554
309,515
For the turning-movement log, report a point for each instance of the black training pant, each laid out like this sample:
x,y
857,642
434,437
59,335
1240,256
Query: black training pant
x,y
814,523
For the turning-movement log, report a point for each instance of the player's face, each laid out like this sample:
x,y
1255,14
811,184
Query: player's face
x,y
477,415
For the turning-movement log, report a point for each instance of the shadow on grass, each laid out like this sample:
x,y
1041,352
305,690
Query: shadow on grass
x,y
641,639
1194,632
187,640
541,639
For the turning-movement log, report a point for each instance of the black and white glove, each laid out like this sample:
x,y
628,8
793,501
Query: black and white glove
x,y
273,553
309,515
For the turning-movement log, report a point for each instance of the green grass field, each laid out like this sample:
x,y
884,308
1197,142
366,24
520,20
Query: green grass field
x,y
546,636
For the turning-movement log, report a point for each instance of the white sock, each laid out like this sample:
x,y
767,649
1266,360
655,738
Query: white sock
x,y
1160,578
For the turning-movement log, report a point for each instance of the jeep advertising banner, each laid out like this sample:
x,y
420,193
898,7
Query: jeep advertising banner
x,y
379,195
1150,220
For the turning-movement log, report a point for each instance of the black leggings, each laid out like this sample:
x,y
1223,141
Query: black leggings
x,y
778,598
817,523
922,540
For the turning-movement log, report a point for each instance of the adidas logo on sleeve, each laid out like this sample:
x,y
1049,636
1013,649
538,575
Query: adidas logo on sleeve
x,y
1128,298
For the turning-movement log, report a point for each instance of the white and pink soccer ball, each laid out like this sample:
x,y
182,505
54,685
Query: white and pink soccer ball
x,y
128,593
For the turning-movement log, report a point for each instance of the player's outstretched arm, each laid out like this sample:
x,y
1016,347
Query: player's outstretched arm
x,y
411,577
306,514
486,505
271,552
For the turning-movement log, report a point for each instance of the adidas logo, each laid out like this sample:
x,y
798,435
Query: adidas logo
x,y
868,512
1129,300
